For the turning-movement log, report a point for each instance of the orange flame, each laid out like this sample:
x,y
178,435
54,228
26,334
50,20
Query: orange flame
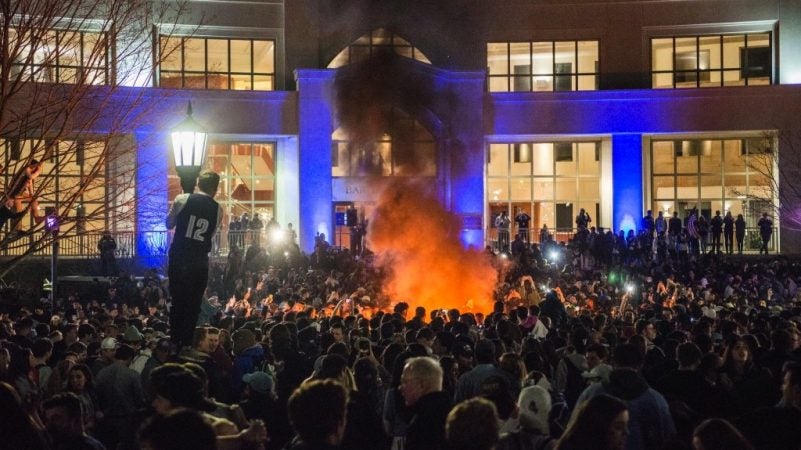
x,y
417,242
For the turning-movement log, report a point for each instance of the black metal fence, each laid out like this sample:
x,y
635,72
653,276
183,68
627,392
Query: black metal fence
x,y
500,240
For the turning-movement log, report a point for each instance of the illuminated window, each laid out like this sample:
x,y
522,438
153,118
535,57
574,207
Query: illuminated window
x,y
711,60
375,42
215,63
405,149
82,179
734,175
59,56
542,66
550,181
247,179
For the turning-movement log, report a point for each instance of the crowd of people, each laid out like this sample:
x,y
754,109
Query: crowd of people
x,y
590,349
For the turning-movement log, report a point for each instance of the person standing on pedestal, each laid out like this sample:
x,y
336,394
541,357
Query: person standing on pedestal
x,y
195,217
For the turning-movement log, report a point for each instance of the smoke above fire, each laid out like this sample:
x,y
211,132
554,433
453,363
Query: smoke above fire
x,y
414,237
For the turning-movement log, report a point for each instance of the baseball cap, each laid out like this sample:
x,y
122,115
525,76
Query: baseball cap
x,y
260,382
108,344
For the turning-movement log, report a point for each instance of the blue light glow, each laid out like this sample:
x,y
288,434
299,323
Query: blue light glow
x,y
151,196
627,181
314,128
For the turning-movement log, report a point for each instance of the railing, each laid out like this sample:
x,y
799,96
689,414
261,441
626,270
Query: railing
x,y
751,243
84,245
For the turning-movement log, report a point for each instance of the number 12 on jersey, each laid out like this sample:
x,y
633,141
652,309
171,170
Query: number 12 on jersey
x,y
196,227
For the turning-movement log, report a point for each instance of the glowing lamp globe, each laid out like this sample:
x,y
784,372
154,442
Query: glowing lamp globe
x,y
189,150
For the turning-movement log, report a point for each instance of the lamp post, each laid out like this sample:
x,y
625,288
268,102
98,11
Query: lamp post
x,y
189,150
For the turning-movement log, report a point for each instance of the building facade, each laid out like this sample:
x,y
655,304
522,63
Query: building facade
x,y
547,107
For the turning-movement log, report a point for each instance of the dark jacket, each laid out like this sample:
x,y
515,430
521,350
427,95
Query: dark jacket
x,y
427,428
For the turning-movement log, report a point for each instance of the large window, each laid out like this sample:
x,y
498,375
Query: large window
x,y
247,180
215,63
59,56
377,41
550,181
81,179
723,175
709,61
542,66
405,149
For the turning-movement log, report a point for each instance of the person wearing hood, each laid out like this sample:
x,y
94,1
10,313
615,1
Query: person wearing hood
x,y
650,424
534,404
248,357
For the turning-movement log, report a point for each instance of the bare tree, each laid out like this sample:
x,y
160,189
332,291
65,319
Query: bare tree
x,y
775,161
69,73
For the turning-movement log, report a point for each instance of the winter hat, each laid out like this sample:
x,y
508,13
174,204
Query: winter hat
x,y
108,343
535,404
243,339
260,382
132,335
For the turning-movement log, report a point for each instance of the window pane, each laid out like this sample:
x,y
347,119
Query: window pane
x,y
195,82
498,164
241,82
195,54
711,186
543,159
589,189
686,162
263,56
240,56
542,215
588,165
731,50
218,55
664,187
69,48
170,53
662,80
521,158
94,49
687,187
663,157
564,154
588,57
587,83
498,189
521,189
760,186
499,84
542,58
711,159
566,56
543,189
662,54
711,45
263,83
497,58
566,189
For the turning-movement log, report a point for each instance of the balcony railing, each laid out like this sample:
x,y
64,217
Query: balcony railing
x,y
751,243
84,245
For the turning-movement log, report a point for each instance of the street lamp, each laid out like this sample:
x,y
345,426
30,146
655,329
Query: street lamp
x,y
189,150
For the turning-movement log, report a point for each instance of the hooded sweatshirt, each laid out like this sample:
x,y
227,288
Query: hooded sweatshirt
x,y
650,423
